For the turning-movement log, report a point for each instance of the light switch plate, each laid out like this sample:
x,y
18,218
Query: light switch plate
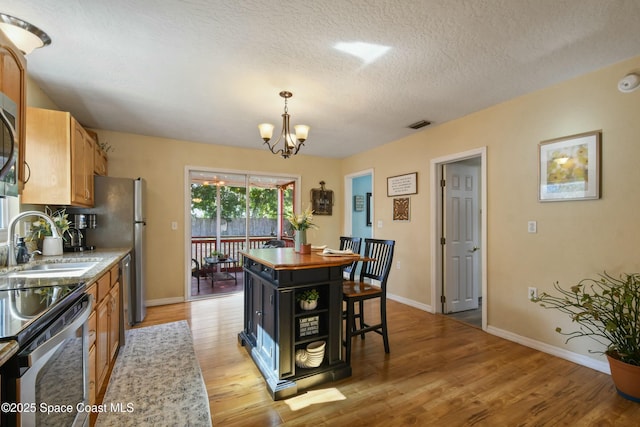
x,y
532,227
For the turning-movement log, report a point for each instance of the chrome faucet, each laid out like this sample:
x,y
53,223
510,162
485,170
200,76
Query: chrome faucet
x,y
11,252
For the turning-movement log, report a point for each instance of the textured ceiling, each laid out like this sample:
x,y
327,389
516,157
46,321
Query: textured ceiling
x,y
211,70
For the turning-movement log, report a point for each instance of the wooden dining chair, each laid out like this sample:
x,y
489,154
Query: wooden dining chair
x,y
378,256
352,243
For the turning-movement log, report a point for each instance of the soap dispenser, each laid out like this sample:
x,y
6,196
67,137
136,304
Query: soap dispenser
x,y
22,254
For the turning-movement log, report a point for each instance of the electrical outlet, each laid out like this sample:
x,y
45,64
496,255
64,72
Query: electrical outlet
x,y
398,265
532,292
174,225
532,226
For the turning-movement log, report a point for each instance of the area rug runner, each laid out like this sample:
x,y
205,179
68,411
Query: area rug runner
x,y
156,381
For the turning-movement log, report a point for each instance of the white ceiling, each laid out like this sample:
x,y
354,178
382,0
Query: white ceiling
x,y
211,70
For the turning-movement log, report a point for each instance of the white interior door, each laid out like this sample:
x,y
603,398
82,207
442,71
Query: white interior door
x,y
461,237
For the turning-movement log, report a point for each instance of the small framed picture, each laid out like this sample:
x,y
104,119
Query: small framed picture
x,y
401,209
569,168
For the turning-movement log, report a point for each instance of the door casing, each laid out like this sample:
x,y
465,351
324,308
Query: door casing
x,y
436,226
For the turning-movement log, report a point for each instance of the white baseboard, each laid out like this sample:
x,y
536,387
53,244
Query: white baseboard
x,y
412,303
164,301
580,359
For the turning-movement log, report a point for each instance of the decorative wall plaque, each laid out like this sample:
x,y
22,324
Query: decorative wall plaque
x,y
401,209
322,200
358,203
402,185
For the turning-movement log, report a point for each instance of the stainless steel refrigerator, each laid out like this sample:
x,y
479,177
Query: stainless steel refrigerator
x,y
120,222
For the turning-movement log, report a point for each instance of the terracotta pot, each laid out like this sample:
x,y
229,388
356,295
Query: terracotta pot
x,y
626,378
305,248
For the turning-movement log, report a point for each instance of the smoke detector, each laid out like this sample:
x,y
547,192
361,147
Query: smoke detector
x,y
629,83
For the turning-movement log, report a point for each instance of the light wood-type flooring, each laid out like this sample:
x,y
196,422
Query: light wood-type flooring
x,y
440,372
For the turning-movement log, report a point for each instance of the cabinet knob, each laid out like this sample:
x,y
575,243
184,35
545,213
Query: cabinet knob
x,y
259,313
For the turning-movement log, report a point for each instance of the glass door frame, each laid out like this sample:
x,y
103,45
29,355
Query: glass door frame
x,y
188,170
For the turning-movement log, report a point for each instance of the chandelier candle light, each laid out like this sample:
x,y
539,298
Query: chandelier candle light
x,y
291,143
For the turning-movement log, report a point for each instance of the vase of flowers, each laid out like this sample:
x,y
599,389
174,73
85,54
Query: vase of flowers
x,y
301,223
40,229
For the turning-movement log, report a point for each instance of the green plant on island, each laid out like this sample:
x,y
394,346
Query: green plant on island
x,y
606,310
308,295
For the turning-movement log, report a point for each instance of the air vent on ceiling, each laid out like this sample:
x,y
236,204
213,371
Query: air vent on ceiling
x,y
420,124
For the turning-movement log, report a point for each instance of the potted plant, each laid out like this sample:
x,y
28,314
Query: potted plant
x,y
308,299
301,223
217,256
41,228
607,310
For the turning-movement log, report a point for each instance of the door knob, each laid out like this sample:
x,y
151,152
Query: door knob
x,y
475,248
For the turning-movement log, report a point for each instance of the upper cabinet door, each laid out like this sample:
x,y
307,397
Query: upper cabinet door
x,y
60,153
13,103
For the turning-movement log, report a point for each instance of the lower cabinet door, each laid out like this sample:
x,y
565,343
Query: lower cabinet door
x,y
102,342
92,375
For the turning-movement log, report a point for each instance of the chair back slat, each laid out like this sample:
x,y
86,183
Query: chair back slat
x,y
382,252
352,243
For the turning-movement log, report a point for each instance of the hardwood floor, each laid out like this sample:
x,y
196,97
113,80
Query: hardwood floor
x,y
439,372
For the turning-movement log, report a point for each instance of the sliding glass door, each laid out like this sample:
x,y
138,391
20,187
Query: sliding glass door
x,y
231,212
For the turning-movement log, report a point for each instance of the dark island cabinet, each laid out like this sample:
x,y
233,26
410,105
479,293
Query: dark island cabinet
x,y
275,326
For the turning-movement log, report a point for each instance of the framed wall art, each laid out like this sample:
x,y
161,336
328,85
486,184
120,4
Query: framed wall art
x,y
322,200
401,209
358,203
402,185
569,168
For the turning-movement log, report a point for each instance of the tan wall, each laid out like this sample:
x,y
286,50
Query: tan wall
x,y
162,163
574,240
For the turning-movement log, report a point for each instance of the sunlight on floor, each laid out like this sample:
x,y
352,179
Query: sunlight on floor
x,y
314,397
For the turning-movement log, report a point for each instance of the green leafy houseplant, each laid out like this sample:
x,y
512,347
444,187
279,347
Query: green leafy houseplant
x,y
606,309
308,295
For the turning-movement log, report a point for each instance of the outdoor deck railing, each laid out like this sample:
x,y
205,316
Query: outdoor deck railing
x,y
203,246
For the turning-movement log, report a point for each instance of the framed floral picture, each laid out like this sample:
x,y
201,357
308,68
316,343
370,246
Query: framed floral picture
x,y
569,168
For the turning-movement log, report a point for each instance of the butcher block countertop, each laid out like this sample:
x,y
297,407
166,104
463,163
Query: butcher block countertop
x,y
288,259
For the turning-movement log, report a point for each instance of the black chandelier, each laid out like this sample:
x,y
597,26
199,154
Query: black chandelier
x,y
291,143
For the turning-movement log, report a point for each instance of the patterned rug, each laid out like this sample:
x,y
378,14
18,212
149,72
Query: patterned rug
x,y
156,381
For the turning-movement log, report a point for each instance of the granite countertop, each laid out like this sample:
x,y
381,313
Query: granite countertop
x,y
7,349
105,258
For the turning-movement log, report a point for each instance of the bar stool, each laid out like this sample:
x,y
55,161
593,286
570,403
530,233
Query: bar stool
x,y
377,265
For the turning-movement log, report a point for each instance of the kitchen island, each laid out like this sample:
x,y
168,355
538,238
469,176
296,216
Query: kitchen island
x,y
276,327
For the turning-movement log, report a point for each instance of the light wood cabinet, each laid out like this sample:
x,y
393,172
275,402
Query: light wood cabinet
x,y
107,320
92,375
102,342
60,153
13,71
114,320
99,161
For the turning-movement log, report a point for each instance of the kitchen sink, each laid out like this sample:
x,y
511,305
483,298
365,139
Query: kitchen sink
x,y
62,269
